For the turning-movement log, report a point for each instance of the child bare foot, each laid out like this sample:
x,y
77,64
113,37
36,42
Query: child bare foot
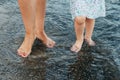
x,y
77,46
90,42
46,40
25,48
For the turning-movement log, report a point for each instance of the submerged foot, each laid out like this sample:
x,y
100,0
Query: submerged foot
x,y
77,46
46,40
25,48
90,42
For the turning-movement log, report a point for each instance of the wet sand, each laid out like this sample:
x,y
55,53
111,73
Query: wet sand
x,y
101,62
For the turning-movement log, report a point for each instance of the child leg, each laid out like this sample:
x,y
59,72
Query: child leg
x,y
28,13
40,17
89,30
79,24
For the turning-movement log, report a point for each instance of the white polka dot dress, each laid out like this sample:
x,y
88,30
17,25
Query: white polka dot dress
x,y
89,8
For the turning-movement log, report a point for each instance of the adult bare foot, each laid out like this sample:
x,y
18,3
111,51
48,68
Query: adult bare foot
x,y
77,46
46,40
90,42
25,48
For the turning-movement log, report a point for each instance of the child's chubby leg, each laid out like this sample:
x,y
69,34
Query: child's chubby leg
x,y
79,24
28,12
40,17
89,30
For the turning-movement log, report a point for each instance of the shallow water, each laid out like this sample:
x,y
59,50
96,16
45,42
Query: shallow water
x,y
101,62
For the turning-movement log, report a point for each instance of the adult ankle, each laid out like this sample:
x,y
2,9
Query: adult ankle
x,y
88,38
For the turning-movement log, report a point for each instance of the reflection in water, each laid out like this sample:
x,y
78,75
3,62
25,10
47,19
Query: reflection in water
x,y
80,70
34,67
90,65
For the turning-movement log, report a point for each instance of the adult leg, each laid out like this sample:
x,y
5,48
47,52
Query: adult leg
x,y
79,24
40,18
28,16
89,30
